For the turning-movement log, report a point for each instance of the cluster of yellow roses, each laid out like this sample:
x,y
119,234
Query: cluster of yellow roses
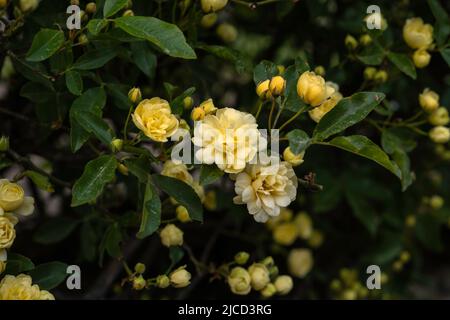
x,y
348,287
438,116
21,288
260,276
13,203
419,36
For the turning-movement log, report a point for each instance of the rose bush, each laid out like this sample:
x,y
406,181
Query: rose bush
x,y
217,149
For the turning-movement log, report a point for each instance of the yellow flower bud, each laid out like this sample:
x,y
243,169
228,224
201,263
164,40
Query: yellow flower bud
x,y
300,262
277,85
440,134
436,202
439,117
304,225
320,70
210,201
162,281
135,95
269,290
283,284
239,281
213,5
369,73
7,68
351,42
154,117
312,89
259,275
316,239
198,114
139,268
281,69
4,143
116,145
28,5
171,236
268,262
429,100
188,102
285,233
180,278
227,32
405,256
208,20
139,283
365,39
83,16
410,221
83,39
241,257
262,90
91,7
421,58
128,13
335,285
182,214
397,266
416,34
208,106
293,159
123,169
381,76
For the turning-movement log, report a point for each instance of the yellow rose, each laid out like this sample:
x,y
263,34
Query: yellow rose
x,y
7,233
171,236
180,278
283,284
416,34
239,281
440,134
18,288
262,90
312,89
154,117
421,58
285,233
429,100
259,275
317,113
304,225
277,85
208,106
293,159
439,117
300,262
11,195
213,5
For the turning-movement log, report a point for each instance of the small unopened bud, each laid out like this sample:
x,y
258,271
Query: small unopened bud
x,y
350,42
139,283
421,58
83,39
269,290
436,202
381,76
182,214
188,102
123,169
281,69
262,90
320,70
268,262
162,281
128,13
208,20
277,85
116,145
91,8
241,257
135,95
440,134
369,73
139,268
227,32
4,143
405,256
365,39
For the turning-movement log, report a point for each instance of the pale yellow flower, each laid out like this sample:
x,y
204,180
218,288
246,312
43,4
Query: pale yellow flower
x,y
283,284
429,100
293,159
230,139
265,189
180,277
171,235
178,171
155,119
18,288
312,89
13,199
239,281
300,262
439,117
259,276
7,233
417,34
440,134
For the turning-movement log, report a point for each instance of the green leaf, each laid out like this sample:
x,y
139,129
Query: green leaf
x,y
346,113
55,230
41,181
96,175
363,211
364,147
74,82
139,167
177,105
428,231
165,36
240,61
61,60
372,55
93,123
119,94
144,58
45,43
37,92
113,6
18,264
49,275
293,101
112,240
94,59
209,174
182,193
298,140
35,72
442,27
445,53
176,254
151,212
265,70
95,26
403,63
